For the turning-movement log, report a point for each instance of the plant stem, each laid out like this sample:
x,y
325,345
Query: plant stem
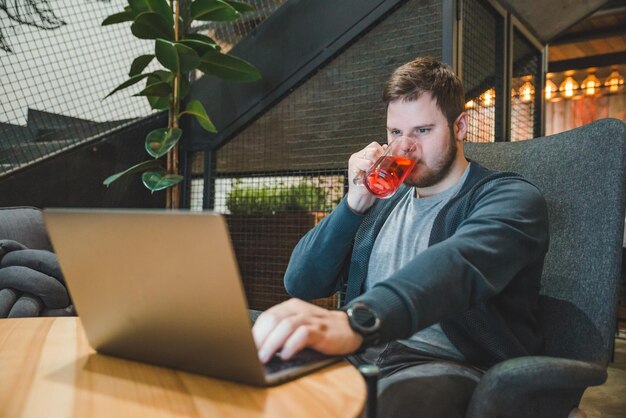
x,y
173,193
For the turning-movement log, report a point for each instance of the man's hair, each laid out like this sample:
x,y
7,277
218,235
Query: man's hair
x,y
426,74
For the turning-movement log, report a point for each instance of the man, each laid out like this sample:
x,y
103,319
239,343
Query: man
x,y
442,278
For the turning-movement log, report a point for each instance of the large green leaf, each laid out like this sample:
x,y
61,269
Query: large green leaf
x,y
176,57
166,54
159,180
201,47
240,7
160,89
185,86
139,6
117,18
162,75
160,141
203,38
150,25
162,8
133,80
188,58
139,64
156,102
213,10
228,67
146,165
167,76
158,6
196,109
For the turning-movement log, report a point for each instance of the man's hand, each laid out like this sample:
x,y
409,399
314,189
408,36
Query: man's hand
x,y
359,198
295,324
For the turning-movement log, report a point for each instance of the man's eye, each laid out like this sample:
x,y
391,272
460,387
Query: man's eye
x,y
395,132
423,130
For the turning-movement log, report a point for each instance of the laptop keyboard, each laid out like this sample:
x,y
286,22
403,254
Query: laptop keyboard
x,y
304,357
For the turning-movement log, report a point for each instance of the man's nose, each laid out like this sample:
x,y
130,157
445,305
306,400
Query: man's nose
x,y
408,146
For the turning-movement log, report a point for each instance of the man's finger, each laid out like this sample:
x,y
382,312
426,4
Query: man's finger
x,y
302,337
263,326
272,317
277,337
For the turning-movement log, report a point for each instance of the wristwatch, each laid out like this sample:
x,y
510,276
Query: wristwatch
x,y
364,321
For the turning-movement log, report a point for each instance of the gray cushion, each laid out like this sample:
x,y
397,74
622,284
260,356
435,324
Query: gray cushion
x,y
31,283
25,225
26,306
26,280
39,260
8,245
8,297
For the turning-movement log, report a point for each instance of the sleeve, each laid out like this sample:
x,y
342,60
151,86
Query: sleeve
x,y
505,230
318,262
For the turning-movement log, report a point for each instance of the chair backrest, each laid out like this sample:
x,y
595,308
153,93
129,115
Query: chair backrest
x,y
24,225
582,176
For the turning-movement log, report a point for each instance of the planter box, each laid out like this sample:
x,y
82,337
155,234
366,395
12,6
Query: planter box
x,y
263,245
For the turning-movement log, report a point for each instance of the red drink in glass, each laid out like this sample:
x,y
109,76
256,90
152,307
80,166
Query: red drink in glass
x,y
387,175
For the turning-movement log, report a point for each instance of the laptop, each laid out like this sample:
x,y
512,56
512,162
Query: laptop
x,y
163,287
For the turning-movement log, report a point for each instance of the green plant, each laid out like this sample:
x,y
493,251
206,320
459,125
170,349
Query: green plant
x,y
304,197
179,52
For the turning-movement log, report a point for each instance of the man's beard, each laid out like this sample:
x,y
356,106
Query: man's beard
x,y
439,171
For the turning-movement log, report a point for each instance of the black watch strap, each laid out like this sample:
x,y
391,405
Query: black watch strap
x,y
364,321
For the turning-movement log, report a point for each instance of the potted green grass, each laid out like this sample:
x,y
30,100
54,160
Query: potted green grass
x,y
265,223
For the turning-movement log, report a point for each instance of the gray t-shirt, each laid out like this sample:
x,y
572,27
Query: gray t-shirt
x,y
405,234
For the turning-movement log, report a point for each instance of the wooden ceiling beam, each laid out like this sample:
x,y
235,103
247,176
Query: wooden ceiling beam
x,y
587,62
571,38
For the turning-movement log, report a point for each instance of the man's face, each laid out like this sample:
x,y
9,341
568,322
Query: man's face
x,y
435,147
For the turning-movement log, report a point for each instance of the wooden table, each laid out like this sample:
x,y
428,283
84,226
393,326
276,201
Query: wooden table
x,y
47,369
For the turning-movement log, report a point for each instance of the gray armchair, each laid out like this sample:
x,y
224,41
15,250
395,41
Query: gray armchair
x,y
25,225
31,282
582,175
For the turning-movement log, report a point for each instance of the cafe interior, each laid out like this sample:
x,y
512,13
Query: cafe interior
x,y
253,116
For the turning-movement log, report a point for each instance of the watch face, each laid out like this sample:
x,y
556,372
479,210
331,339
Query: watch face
x,y
364,321
364,317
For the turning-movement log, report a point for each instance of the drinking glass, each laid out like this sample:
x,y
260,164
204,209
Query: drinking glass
x,y
384,178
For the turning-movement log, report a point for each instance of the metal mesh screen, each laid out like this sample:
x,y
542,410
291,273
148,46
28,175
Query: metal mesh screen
x,y
300,147
482,69
524,84
58,62
228,34
267,214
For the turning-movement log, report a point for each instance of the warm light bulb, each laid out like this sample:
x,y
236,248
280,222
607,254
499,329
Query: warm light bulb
x,y
526,92
470,104
590,84
568,86
488,97
614,81
550,89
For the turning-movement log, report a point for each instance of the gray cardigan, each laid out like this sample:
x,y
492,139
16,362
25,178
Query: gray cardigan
x,y
479,278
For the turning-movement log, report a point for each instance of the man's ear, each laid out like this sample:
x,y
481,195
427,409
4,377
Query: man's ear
x,y
460,126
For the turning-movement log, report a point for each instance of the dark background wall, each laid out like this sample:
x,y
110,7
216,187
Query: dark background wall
x,y
74,178
338,109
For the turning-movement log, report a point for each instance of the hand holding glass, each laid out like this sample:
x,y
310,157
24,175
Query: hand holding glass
x,y
384,178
